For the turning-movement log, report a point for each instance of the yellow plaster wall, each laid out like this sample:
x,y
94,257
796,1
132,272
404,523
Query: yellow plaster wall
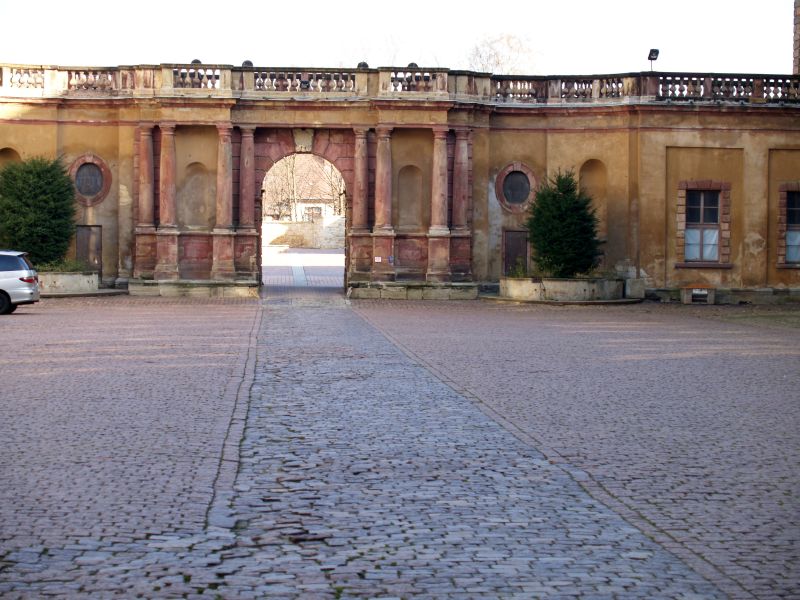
x,y
413,147
784,167
196,179
102,140
507,146
696,164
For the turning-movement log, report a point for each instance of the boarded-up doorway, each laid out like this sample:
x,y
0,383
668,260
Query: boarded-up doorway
x,y
515,250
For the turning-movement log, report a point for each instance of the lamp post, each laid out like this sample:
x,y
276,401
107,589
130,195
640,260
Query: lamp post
x,y
652,56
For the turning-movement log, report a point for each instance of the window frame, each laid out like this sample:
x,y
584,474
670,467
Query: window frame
x,y
723,225
783,224
91,158
515,207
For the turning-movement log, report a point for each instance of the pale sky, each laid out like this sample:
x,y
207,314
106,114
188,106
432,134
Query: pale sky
x,y
571,37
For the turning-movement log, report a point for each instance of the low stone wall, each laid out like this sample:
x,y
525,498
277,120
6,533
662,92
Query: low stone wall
x,y
413,291
562,290
51,282
327,233
194,289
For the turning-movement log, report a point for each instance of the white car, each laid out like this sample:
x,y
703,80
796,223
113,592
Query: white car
x,y
19,282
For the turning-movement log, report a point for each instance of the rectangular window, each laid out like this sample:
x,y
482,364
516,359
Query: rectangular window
x,y
793,227
702,226
312,213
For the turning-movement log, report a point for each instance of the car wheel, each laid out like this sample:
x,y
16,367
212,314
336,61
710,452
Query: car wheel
x,y
12,308
5,304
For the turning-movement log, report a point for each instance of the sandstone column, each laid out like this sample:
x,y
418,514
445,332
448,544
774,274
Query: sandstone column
x,y
460,236
360,239
439,233
167,234
222,266
361,177
246,240
166,186
461,180
145,175
383,233
145,257
383,181
247,173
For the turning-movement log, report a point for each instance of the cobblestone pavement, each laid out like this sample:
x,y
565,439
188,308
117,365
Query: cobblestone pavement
x,y
287,448
686,426
113,415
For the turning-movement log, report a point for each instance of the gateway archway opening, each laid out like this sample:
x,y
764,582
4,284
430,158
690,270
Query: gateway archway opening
x,y
303,208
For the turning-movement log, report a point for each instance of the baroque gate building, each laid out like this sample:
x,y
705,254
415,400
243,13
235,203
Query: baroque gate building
x,y
695,177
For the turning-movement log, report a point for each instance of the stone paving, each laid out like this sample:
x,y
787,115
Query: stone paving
x,y
294,447
686,426
302,267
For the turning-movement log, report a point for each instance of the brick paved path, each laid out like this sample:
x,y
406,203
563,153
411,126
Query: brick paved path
x,y
289,449
300,267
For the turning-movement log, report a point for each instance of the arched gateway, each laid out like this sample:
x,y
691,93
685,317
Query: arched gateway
x,y
439,167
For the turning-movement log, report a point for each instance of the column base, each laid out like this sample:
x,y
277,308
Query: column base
x,y
383,256
167,252
144,260
461,255
223,266
360,246
438,258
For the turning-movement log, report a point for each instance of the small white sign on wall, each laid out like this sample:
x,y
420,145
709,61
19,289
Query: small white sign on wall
x,y
378,259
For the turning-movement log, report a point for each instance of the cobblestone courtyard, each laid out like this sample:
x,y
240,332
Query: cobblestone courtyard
x,y
303,446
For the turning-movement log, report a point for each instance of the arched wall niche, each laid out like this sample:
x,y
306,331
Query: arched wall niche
x,y
8,155
413,215
196,198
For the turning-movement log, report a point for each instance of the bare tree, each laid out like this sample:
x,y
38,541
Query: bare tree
x,y
280,189
503,55
300,178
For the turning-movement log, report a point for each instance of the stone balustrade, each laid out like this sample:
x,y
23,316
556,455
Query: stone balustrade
x,y
681,87
95,80
317,81
413,81
26,78
196,76
225,81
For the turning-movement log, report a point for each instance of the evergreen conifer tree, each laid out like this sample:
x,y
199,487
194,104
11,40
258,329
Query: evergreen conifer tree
x,y
563,228
37,209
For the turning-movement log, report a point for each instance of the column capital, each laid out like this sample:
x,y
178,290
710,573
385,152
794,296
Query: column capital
x,y
167,127
146,127
463,133
440,131
361,132
383,131
246,129
224,128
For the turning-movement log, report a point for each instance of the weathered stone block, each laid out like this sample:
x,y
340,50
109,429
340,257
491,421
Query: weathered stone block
x,y
464,292
414,293
364,293
634,288
435,293
394,293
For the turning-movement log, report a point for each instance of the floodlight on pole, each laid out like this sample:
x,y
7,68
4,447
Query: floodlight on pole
x,y
652,56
